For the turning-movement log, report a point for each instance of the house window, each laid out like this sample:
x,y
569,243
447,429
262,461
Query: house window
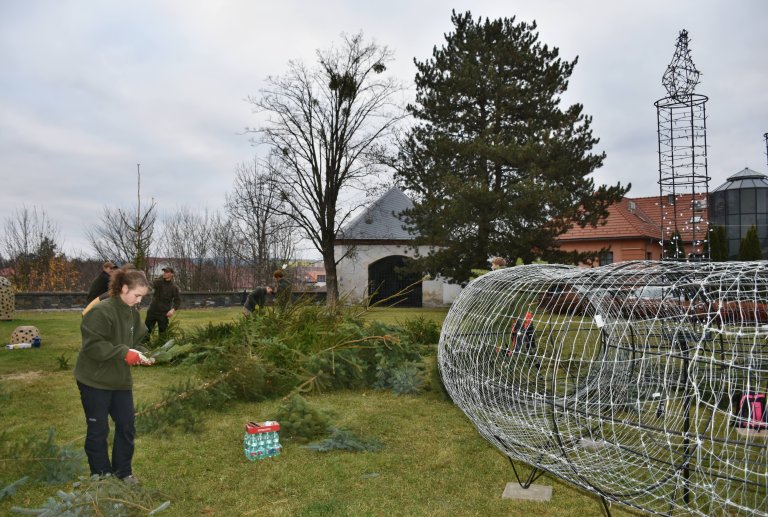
x,y
321,278
695,219
606,258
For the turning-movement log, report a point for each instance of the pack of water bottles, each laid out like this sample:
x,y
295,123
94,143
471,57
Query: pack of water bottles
x,y
261,440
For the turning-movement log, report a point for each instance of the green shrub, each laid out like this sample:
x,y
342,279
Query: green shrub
x,y
215,332
41,459
174,331
299,420
182,407
391,356
63,362
337,369
421,331
345,440
407,379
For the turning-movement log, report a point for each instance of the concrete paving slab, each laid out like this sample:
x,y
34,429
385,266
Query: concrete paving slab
x,y
513,490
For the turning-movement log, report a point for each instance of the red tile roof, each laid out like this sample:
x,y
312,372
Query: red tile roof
x,y
641,217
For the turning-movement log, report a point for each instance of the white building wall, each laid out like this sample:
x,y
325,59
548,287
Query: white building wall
x,y
450,292
352,273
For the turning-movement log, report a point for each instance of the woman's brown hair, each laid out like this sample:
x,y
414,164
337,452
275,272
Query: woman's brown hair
x,y
133,278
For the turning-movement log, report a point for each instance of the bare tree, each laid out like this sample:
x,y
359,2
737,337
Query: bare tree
x,y
323,124
187,242
121,238
256,209
125,236
225,248
31,242
26,230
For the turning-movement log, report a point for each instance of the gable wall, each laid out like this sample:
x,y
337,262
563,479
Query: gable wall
x,y
352,271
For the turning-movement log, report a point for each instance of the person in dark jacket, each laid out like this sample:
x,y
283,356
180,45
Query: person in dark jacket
x,y
283,292
166,300
257,298
128,266
111,335
100,284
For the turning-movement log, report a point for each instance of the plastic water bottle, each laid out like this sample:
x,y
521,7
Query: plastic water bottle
x,y
252,446
16,346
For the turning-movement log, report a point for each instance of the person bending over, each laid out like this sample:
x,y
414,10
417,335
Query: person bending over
x,y
257,298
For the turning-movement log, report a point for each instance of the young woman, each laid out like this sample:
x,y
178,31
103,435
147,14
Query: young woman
x,y
111,334
283,291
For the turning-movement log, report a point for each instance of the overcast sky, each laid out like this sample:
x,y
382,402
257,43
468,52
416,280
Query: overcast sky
x,y
91,88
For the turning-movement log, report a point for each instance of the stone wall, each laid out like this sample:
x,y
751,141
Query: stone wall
x,y
189,300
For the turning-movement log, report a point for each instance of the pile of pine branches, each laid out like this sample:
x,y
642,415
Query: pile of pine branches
x,y
281,351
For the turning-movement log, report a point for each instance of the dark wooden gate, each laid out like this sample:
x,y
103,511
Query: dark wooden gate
x,y
388,278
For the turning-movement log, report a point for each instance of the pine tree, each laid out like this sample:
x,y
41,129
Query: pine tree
x,y
749,248
718,244
496,166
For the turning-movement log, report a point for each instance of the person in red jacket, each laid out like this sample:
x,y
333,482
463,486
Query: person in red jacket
x,y
111,335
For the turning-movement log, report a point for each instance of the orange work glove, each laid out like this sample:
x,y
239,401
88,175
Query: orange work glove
x,y
133,357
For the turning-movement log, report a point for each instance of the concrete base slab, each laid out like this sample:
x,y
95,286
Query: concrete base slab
x,y
513,490
592,445
752,433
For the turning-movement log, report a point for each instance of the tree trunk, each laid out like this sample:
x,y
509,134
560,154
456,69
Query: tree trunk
x,y
331,281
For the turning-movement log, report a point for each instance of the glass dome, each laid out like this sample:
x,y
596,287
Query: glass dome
x,y
739,203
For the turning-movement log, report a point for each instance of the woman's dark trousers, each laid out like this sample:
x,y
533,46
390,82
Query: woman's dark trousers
x,y
99,405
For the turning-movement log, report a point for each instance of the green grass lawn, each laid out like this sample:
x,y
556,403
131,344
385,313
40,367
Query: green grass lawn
x,y
433,462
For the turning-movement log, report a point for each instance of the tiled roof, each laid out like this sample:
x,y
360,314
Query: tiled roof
x,y
641,217
628,218
381,220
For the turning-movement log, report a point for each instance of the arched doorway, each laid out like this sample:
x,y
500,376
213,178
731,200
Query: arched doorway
x,y
388,276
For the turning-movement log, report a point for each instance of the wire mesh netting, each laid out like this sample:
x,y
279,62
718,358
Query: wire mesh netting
x,y
643,382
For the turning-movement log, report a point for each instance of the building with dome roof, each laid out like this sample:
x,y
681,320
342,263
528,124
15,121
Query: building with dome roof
x,y
739,203
632,230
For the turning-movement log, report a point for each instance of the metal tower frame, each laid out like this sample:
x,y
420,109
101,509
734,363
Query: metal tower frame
x,y
682,147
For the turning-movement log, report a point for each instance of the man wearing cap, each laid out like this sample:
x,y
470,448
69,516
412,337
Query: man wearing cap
x,y
100,284
166,300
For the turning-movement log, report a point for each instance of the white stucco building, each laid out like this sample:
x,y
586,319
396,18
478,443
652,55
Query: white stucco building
x,y
379,251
